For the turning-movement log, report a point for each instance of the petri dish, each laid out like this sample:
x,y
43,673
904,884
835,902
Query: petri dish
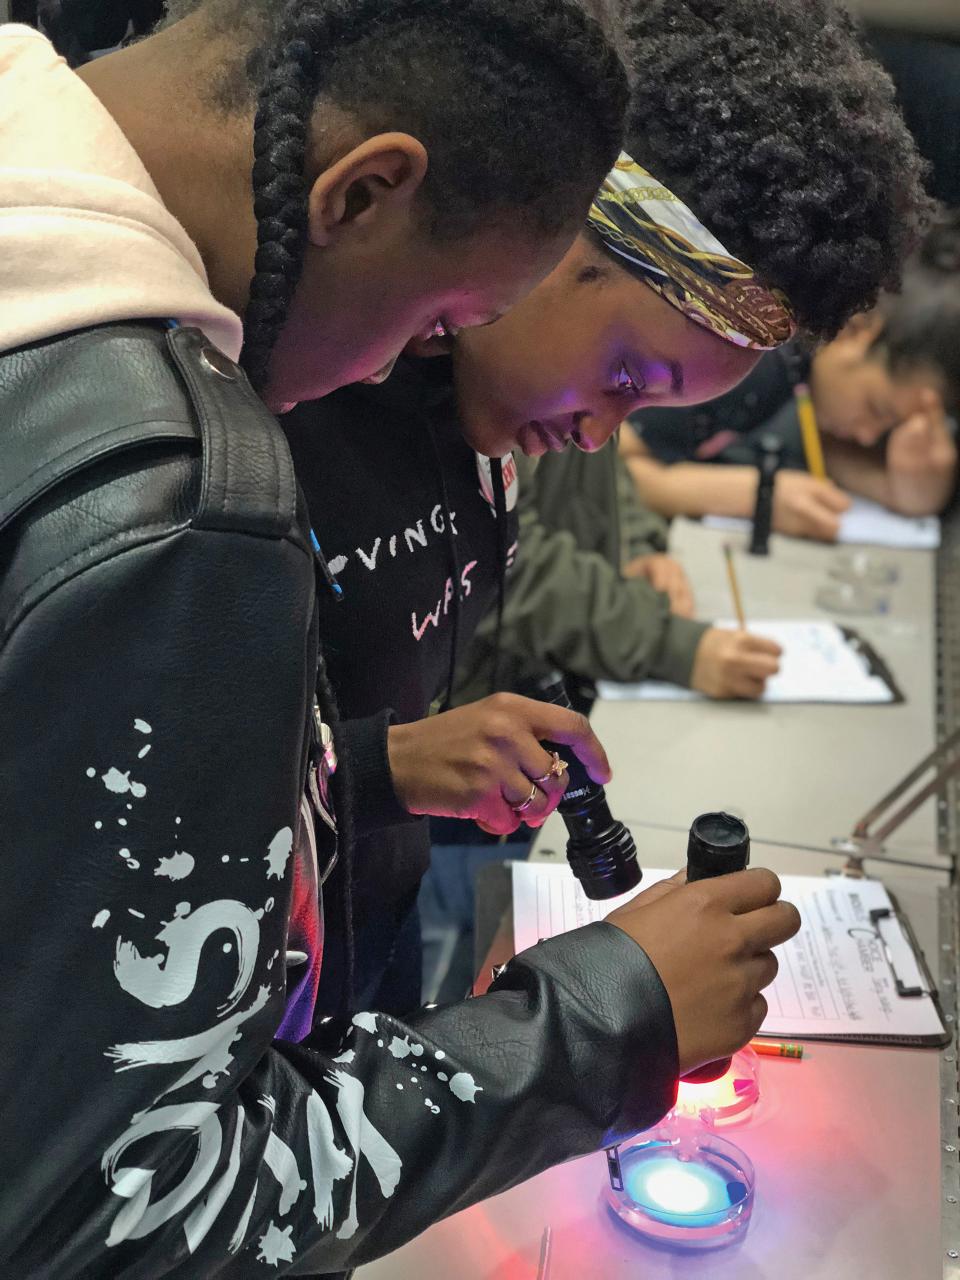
x,y
727,1101
852,599
864,568
685,1192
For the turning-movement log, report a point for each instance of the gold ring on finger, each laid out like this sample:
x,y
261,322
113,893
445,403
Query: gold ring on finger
x,y
522,808
557,767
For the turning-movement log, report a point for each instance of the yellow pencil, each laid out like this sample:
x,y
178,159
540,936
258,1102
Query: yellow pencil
x,y
734,586
776,1049
812,448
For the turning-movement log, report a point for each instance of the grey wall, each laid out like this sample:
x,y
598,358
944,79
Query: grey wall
x,y
939,17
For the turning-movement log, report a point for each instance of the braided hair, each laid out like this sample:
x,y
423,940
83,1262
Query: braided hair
x,y
467,77
519,104
784,138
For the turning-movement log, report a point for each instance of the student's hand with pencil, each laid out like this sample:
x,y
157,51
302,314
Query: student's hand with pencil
x,y
734,664
667,575
805,507
712,945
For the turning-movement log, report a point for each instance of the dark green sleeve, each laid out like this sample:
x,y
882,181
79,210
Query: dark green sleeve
x,y
642,532
571,609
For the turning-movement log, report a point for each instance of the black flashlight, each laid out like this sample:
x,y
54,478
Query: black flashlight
x,y
600,850
717,845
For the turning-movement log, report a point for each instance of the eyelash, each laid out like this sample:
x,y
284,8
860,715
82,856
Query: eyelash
x,y
441,329
629,388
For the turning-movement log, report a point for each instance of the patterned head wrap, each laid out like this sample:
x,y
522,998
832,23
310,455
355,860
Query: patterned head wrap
x,y
665,244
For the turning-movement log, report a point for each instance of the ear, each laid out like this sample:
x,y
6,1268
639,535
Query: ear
x,y
377,179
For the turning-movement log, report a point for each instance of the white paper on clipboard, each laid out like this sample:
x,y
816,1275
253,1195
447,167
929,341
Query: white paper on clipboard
x,y
866,524
838,976
821,662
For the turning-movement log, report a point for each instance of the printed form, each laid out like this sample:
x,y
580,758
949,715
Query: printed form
x,y
818,664
838,976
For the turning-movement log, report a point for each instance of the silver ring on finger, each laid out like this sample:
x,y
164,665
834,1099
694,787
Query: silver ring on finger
x,y
522,808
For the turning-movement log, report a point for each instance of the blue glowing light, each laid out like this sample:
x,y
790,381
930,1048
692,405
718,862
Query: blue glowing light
x,y
682,1193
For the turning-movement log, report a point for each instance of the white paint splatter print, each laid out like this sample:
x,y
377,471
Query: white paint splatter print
x,y
139,1217
177,867
400,1046
282,1163
100,919
207,1211
367,1141
238,1237
366,1021
278,852
141,726
143,751
120,783
164,980
464,1087
328,1162
276,1245
208,1051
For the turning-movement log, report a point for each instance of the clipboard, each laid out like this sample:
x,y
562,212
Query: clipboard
x,y
875,664
904,990
910,974
855,972
823,664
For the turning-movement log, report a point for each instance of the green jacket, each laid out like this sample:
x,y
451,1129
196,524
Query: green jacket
x,y
567,606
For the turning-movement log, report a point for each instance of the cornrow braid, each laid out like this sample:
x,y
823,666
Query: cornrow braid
x,y
520,163
556,54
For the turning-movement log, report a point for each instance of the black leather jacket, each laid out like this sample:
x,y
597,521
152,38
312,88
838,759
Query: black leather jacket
x,y
157,659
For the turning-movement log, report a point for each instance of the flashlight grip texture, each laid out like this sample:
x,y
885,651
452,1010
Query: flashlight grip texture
x,y
601,851
718,845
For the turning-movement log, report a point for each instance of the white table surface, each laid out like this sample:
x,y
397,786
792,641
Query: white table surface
x,y
846,1142
797,774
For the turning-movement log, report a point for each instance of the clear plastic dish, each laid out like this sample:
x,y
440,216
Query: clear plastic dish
x,y
864,568
727,1101
684,1190
853,599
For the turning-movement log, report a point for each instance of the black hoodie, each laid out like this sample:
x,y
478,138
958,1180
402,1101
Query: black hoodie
x,y
404,512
